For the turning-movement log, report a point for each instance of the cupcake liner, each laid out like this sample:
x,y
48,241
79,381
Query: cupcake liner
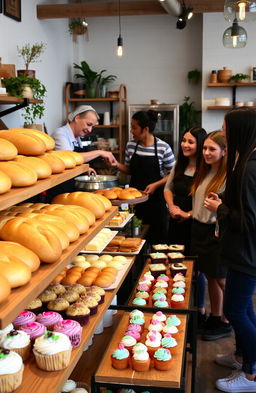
x,y
162,366
120,364
140,366
37,310
55,362
23,352
75,340
93,310
82,319
10,382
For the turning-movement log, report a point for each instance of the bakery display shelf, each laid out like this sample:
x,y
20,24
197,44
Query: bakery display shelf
x,y
225,108
122,225
131,202
218,84
113,234
188,294
165,379
7,99
21,297
125,253
121,273
16,195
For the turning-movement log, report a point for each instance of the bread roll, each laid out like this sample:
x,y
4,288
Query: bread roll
x,y
33,235
124,194
107,204
5,288
28,144
47,139
77,156
110,194
7,150
21,175
5,182
66,157
16,272
41,167
12,249
57,165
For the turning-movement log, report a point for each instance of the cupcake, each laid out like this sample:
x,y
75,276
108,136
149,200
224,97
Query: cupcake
x,y
158,295
58,305
134,334
78,312
163,277
162,359
161,284
177,301
17,341
133,326
139,301
36,306
48,319
173,330
139,347
91,303
159,289
70,295
178,291
59,289
143,287
176,247
128,342
136,312
47,296
179,284
138,320
140,361
145,280
149,276
142,294
34,330
6,330
177,267
120,357
79,288
161,303
170,343
157,334
153,343
159,316
11,370
173,320
68,386
23,318
72,329
179,277
100,291
52,351
155,325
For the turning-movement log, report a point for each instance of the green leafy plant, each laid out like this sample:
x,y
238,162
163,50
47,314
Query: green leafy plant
x,y
77,26
31,53
194,76
137,223
189,115
14,87
239,77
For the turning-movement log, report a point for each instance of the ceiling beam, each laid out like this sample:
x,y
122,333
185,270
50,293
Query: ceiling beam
x,y
202,6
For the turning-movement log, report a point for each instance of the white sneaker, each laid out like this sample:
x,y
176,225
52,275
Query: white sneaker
x,y
228,361
237,383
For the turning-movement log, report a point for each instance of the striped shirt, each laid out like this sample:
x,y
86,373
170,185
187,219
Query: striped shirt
x,y
164,153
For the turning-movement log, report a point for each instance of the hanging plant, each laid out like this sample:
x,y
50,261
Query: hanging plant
x,y
77,26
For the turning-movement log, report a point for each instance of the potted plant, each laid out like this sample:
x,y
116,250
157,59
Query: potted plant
x,y
136,224
15,87
30,54
189,115
194,76
240,78
77,26
103,82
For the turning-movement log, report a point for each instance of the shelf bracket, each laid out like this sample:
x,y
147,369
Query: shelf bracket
x,y
233,95
15,108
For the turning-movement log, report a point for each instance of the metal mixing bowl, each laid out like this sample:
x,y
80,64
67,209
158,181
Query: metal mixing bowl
x,y
93,183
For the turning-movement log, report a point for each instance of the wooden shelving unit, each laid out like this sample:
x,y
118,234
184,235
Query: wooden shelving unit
x,y
18,102
234,87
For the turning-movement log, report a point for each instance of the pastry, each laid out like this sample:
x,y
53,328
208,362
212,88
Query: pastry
x,y
176,247
17,341
34,330
11,370
48,319
170,343
78,312
70,295
160,248
47,296
23,318
140,361
120,357
72,329
162,359
157,269
57,288
158,257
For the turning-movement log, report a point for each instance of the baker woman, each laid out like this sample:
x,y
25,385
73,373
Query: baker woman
x,y
148,160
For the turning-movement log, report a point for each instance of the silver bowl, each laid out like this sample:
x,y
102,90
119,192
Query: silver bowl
x,y
93,183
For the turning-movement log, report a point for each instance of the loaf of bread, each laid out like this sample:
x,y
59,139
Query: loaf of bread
x,y
21,174
106,202
16,272
41,167
27,144
47,139
5,182
78,157
7,150
65,156
34,235
5,288
84,199
12,249
57,165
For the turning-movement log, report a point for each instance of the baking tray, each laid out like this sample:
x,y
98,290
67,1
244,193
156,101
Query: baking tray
x,y
125,253
114,233
122,225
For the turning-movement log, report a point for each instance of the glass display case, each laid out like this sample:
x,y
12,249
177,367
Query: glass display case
x,y
167,126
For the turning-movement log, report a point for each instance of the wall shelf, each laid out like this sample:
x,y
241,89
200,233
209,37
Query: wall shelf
x,y
20,103
234,87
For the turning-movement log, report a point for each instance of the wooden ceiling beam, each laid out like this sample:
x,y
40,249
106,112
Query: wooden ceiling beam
x,y
202,6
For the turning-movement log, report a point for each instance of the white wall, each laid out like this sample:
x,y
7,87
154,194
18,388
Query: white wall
x,y
216,56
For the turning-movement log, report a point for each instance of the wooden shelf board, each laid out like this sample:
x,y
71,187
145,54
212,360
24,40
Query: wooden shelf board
x,y
109,126
36,380
15,100
253,84
225,108
171,378
21,297
19,194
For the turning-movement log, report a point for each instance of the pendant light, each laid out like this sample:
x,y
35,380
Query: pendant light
x,y
243,10
234,37
119,49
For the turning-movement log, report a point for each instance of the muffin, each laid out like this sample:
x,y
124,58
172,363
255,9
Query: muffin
x,y
140,361
52,351
120,358
48,319
11,370
162,359
70,295
47,296
59,289
99,291
177,301
170,343
78,312
58,305
23,318
72,329
17,341
34,330
36,306
91,303
79,288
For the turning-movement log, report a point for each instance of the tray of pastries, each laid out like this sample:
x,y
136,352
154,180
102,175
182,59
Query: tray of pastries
x,y
122,245
119,195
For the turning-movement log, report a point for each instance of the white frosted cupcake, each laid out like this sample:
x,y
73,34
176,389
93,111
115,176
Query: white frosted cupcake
x,y
68,386
11,371
6,330
17,341
159,316
52,351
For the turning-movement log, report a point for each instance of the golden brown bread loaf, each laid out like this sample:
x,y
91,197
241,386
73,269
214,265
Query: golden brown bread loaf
x,y
47,139
7,150
84,199
21,174
12,249
77,156
66,157
124,194
34,235
57,165
16,272
5,288
27,144
5,182
41,167
107,204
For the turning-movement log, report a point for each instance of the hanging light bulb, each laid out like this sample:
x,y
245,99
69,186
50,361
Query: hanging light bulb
x,y
84,23
241,6
245,9
119,49
235,36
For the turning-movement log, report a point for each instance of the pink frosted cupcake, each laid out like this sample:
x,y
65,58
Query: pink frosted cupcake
x,y
159,316
49,319
34,330
133,334
72,329
133,326
23,318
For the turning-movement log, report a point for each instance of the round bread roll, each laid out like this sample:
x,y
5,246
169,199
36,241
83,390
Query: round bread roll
x,y
106,258
101,191
12,249
57,165
27,144
66,157
131,189
92,258
47,139
99,264
120,258
116,265
7,150
16,272
124,194
136,194
5,288
5,183
41,167
110,194
78,258
21,174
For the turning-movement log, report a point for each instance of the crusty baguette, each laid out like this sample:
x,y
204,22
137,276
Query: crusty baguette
x,y
47,139
12,249
21,174
5,182
55,162
27,144
7,150
64,155
42,168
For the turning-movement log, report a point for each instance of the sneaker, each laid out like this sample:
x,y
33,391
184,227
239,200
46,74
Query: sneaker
x,y
223,330
237,383
228,360
201,322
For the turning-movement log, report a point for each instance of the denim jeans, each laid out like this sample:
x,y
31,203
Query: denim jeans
x,y
238,309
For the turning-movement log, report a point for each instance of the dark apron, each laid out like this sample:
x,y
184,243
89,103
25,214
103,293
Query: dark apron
x,y
180,232
146,170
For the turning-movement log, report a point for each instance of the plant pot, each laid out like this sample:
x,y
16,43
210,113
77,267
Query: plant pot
x,y
102,91
77,90
29,73
39,127
79,30
91,91
26,91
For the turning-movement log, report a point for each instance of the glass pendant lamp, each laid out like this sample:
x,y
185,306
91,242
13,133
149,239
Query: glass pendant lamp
x,y
245,10
235,36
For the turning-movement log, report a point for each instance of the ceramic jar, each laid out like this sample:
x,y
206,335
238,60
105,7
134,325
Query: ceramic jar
x,y
224,75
